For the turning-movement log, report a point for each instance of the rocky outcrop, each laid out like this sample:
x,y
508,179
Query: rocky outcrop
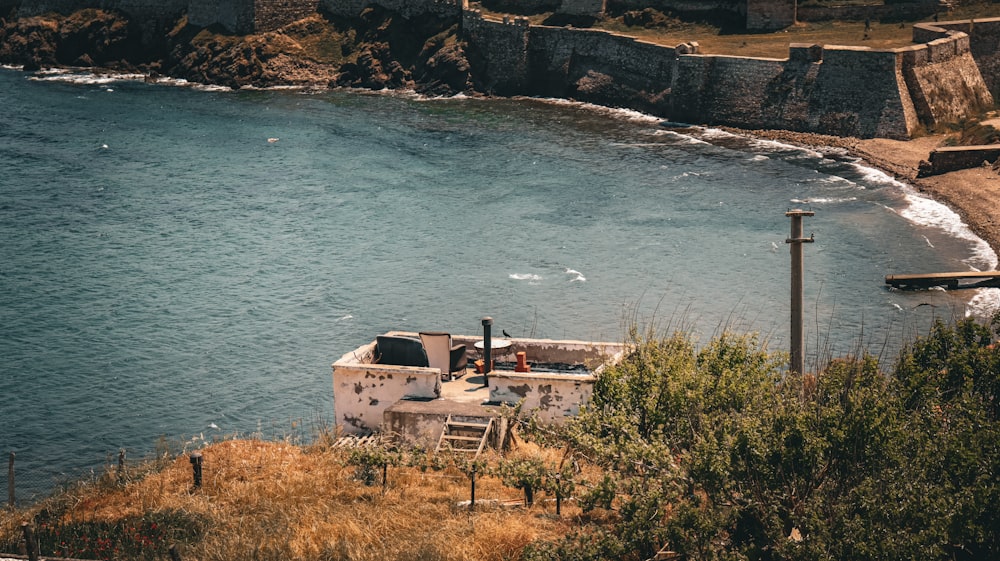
x,y
87,38
377,50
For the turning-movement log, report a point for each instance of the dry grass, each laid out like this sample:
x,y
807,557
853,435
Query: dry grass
x,y
274,500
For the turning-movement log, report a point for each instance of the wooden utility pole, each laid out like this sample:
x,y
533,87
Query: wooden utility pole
x,y
797,363
11,500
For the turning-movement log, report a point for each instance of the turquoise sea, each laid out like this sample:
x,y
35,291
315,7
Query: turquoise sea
x,y
188,262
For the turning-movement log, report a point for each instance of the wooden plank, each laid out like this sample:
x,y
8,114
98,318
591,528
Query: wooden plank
x,y
462,438
961,275
480,426
972,279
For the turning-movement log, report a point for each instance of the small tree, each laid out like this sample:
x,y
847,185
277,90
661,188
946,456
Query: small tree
x,y
527,474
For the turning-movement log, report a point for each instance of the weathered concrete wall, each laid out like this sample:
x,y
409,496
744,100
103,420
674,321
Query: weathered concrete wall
x,y
944,81
954,158
770,15
590,354
421,422
552,397
363,391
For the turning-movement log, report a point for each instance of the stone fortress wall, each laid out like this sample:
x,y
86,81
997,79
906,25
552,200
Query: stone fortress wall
x,y
847,91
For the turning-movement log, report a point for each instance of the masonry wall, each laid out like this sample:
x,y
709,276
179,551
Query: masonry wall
x,y
155,11
885,12
861,92
272,14
406,8
770,15
943,79
984,45
578,63
954,158
237,16
503,48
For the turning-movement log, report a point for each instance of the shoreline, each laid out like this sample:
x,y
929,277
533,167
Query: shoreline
x,y
973,194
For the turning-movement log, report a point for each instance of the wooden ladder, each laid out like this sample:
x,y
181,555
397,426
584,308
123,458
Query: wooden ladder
x,y
464,436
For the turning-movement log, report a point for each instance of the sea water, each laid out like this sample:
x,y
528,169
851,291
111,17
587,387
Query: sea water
x,y
188,262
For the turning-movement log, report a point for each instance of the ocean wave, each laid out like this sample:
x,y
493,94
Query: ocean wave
x,y
525,277
985,303
759,144
824,200
77,76
927,212
630,115
579,276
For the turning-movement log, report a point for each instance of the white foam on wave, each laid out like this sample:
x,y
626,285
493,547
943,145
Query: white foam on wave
x,y
824,200
927,212
829,180
874,175
525,277
761,144
75,76
579,276
616,112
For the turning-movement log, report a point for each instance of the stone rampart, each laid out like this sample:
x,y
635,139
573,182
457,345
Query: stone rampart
x,y
155,11
503,46
406,8
954,158
565,62
770,15
237,16
272,14
984,44
885,12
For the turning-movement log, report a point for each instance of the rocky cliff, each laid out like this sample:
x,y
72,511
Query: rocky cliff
x,y
438,48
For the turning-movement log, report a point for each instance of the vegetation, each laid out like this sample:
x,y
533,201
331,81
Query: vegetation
x,y
717,454
710,453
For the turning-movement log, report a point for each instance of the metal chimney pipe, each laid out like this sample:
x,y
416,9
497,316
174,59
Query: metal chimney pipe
x,y
487,349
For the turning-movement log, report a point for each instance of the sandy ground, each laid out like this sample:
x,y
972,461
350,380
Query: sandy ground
x,y
973,193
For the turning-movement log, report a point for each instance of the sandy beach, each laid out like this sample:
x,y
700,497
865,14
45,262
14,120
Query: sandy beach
x,y
972,193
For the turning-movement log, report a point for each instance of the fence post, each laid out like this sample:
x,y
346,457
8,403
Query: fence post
x,y
558,494
29,542
11,500
121,466
196,468
472,491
